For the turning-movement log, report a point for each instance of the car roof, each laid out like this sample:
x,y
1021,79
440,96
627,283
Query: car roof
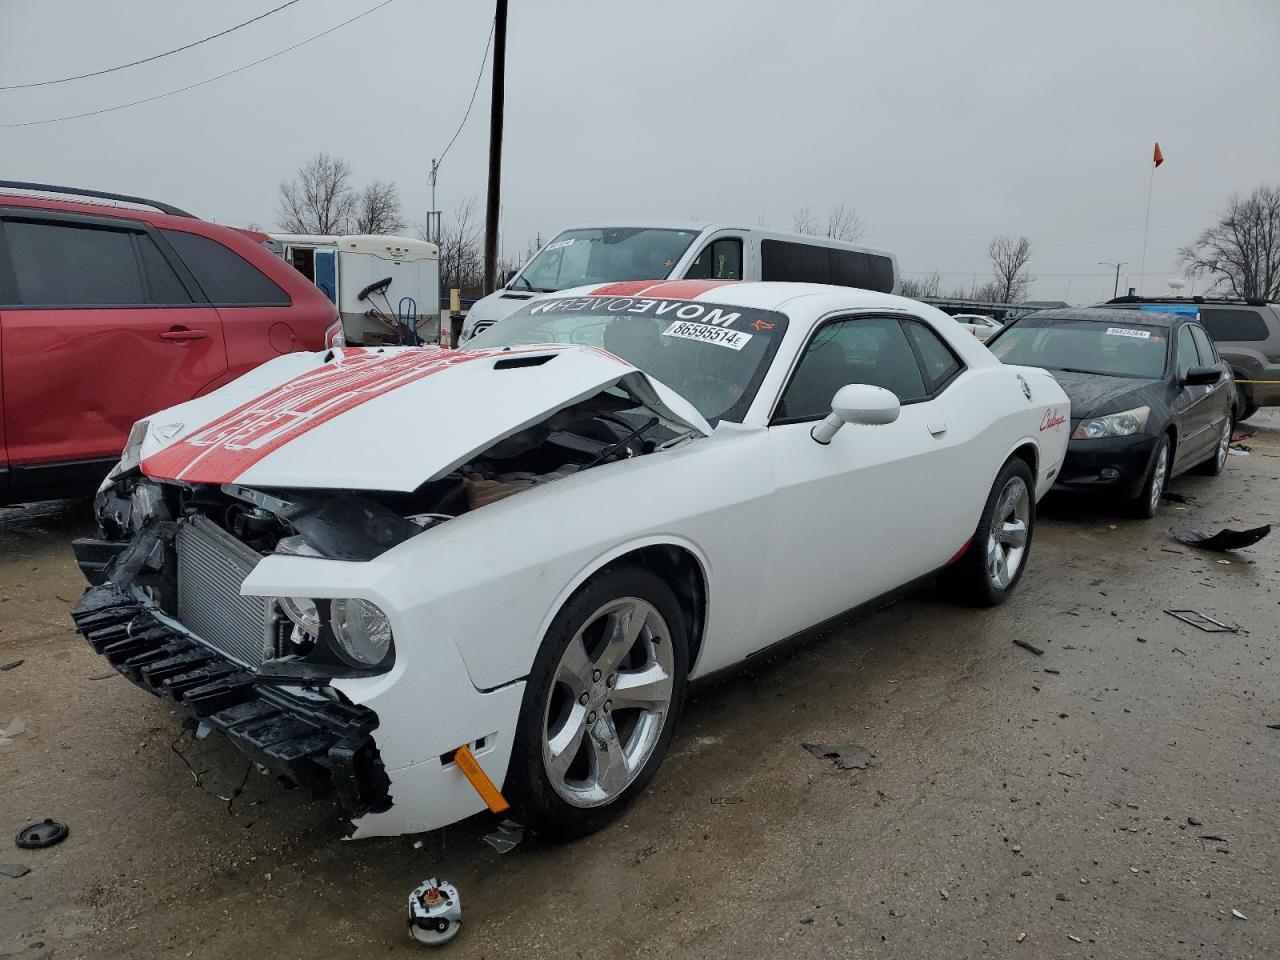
x,y
1106,315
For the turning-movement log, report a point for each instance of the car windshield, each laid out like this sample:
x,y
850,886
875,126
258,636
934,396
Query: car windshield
x,y
599,254
1086,346
712,355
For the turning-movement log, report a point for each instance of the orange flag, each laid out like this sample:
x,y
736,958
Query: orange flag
x,y
1158,157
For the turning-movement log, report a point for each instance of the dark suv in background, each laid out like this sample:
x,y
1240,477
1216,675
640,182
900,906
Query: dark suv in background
x,y
1247,335
114,307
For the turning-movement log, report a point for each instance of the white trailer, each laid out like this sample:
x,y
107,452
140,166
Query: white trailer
x,y
386,288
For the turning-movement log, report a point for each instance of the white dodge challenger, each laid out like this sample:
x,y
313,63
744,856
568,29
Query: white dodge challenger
x,y
431,581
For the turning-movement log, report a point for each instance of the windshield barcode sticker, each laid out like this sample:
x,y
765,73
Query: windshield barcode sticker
x,y
1126,332
720,336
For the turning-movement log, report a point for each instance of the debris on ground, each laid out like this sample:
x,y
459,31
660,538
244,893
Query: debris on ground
x,y
46,833
1238,915
1224,539
847,756
1053,670
14,870
1020,937
1194,822
12,730
1025,645
11,664
1074,939
435,912
507,837
1273,726
726,801
1177,497
1201,621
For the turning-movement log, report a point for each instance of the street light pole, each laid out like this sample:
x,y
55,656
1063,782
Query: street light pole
x,y
1115,289
493,202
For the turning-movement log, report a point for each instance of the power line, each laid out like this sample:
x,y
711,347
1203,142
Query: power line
x,y
200,83
471,102
158,56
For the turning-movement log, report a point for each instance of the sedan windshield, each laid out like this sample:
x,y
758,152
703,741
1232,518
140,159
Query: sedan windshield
x,y
1086,346
599,254
712,355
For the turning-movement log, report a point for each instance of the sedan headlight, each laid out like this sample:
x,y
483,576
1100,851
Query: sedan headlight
x,y
361,630
303,612
1122,424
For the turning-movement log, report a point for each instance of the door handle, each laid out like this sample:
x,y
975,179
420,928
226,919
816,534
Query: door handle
x,y
937,427
182,333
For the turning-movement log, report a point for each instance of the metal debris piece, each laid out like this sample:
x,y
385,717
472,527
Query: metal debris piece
x,y
435,912
1202,621
507,837
1214,837
12,664
1074,939
726,801
46,833
847,756
1224,539
14,870
1029,646
1238,915
1273,726
1052,670
8,733
1022,936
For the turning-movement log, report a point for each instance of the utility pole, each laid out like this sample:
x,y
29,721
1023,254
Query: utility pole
x,y
1115,289
493,203
433,215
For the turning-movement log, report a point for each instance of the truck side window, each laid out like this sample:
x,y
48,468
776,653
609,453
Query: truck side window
x,y
721,259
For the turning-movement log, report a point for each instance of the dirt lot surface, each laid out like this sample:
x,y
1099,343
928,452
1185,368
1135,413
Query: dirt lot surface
x,y
1115,797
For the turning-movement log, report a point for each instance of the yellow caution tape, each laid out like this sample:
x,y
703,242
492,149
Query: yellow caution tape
x,y
1267,382
471,769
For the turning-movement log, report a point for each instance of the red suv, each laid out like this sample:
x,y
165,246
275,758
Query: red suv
x,y
109,313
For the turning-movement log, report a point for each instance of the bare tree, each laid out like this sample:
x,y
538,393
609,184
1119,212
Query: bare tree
x,y
929,285
843,223
1009,261
461,253
802,221
1240,254
319,199
378,208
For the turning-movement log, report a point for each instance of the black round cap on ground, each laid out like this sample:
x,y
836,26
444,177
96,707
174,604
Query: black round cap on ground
x,y
43,834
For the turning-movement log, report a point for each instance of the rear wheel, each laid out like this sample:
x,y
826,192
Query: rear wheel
x,y
992,564
1148,501
600,704
1215,464
1249,410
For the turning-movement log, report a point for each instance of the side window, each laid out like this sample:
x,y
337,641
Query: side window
x,y
939,363
1208,352
721,259
60,265
873,350
1226,325
1187,357
227,278
798,262
163,286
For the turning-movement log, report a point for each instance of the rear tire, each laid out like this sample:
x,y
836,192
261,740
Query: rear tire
x,y
579,755
1249,410
1146,504
1218,459
992,564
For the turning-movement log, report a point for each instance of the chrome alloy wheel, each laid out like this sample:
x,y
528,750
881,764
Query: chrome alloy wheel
x,y
1224,443
1007,539
610,701
1162,471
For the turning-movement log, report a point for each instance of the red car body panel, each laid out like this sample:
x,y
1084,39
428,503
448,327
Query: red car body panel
x,y
74,380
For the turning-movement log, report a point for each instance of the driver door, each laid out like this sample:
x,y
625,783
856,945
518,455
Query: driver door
x,y
861,516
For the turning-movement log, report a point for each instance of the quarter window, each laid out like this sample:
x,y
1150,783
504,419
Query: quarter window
x,y
227,278
1226,325
873,350
939,363
721,259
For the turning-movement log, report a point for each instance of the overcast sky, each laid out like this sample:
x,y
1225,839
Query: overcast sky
x,y
942,123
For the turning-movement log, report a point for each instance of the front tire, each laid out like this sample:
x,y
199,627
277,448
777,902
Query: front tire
x,y
991,566
600,704
1148,501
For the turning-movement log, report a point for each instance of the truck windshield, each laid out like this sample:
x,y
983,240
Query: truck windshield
x,y
711,354
600,254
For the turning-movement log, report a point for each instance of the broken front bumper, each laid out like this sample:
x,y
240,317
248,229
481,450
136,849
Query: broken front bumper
x,y
322,745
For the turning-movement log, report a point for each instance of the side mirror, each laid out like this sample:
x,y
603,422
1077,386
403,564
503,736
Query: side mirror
x,y
857,403
1202,376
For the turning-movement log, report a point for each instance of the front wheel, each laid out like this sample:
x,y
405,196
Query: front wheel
x,y
600,704
1148,501
992,564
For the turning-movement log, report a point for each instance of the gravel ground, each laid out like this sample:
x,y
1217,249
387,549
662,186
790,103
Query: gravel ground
x,y
1115,797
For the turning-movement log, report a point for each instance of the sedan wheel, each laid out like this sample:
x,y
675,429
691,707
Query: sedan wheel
x,y
1007,538
994,559
1218,462
612,693
1148,501
600,703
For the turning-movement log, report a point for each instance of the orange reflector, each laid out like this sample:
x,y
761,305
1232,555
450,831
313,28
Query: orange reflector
x,y
474,773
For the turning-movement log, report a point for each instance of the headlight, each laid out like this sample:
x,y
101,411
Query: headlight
x,y
1122,424
361,630
301,610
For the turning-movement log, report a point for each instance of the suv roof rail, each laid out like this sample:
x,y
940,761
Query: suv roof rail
x,y
100,194
1247,301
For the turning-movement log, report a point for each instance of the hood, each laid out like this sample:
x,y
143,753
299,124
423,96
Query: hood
x,y
383,419
1095,394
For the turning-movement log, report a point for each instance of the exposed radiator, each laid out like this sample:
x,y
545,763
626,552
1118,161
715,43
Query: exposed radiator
x,y
211,566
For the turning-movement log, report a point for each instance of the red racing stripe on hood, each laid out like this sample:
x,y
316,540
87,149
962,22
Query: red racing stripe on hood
x,y
626,288
225,448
